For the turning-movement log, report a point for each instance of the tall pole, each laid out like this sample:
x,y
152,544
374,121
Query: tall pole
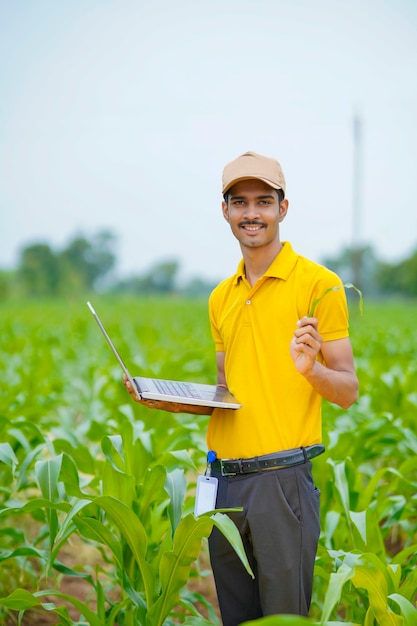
x,y
357,205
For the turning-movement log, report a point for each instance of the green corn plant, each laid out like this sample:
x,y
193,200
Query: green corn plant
x,y
161,586
336,288
384,600
153,555
368,590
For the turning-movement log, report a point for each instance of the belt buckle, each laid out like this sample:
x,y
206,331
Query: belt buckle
x,y
223,471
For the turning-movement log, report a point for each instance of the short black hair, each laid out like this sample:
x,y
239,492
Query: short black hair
x,y
280,193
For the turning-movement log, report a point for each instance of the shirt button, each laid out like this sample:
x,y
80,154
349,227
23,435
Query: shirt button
x,y
248,302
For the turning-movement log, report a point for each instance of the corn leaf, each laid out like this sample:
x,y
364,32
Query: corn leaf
x,y
23,476
334,589
96,531
20,600
367,532
153,490
409,585
22,551
47,473
372,575
408,610
175,565
37,504
229,530
134,533
89,616
118,484
336,288
75,509
341,484
176,487
112,446
70,477
8,457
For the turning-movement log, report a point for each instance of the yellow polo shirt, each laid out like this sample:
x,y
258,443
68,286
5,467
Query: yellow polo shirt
x,y
254,327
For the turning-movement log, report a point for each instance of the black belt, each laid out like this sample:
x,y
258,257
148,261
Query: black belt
x,y
277,460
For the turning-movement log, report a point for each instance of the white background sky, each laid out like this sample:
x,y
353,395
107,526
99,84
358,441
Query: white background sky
x,y
121,114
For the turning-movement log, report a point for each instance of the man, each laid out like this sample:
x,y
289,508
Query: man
x,y
279,363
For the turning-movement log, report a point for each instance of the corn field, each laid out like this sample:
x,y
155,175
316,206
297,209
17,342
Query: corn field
x,y
97,492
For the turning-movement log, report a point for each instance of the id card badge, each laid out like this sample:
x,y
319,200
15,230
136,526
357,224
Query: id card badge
x,y
205,499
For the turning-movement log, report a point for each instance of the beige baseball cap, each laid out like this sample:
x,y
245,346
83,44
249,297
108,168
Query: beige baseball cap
x,y
253,165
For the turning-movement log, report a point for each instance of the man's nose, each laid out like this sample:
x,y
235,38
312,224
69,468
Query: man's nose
x,y
252,210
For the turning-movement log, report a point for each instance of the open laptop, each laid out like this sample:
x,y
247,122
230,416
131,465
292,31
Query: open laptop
x,y
196,394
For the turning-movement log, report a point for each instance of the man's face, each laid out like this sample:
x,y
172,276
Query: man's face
x,y
254,213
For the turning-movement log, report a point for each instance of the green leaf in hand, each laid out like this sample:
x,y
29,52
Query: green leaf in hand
x,y
346,285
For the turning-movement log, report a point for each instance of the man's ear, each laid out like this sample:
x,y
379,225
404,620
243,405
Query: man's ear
x,y
283,209
225,210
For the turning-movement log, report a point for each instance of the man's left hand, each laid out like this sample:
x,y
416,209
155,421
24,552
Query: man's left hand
x,y
305,344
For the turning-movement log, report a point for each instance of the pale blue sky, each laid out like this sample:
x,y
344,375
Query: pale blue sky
x,y
121,114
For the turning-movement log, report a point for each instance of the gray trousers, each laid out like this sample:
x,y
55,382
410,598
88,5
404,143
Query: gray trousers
x,y
280,528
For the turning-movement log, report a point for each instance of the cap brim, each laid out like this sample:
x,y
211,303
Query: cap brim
x,y
238,180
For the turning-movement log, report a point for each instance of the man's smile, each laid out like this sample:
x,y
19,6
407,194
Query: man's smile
x,y
252,226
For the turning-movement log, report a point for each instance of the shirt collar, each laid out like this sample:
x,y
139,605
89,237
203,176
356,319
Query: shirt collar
x,y
281,266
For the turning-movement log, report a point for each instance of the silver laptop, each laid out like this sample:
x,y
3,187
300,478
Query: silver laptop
x,y
171,390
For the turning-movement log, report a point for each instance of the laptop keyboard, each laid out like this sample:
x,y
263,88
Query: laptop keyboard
x,y
175,388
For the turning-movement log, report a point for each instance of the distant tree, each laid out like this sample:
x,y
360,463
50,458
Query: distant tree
x,y
400,278
408,271
84,263
197,287
160,278
6,280
133,285
81,266
38,271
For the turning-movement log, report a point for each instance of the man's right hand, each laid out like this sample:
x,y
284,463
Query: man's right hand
x,y
171,407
